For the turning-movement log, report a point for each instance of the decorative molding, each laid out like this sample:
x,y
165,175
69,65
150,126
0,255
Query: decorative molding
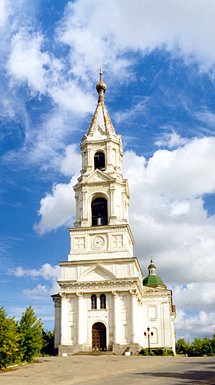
x,y
56,299
99,286
79,243
133,292
108,229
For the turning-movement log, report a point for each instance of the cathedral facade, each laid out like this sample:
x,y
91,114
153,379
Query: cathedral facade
x,y
104,302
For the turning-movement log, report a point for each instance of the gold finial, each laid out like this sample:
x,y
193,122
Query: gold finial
x,y
101,86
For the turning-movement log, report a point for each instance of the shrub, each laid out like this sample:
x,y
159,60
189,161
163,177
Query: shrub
x,y
144,352
9,340
199,347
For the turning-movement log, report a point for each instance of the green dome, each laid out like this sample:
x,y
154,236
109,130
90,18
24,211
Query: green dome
x,y
153,281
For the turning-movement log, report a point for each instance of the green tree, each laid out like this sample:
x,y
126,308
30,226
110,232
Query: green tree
x,y
213,343
9,340
48,343
201,347
182,346
31,341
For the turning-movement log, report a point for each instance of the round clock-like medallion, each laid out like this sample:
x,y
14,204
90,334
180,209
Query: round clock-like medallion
x,y
98,242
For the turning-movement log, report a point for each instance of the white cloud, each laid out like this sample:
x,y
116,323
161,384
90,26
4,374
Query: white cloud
x,y
45,143
71,163
171,140
200,325
4,6
132,113
153,24
46,272
189,296
186,29
42,291
167,213
183,172
27,61
37,292
57,209
81,29
69,96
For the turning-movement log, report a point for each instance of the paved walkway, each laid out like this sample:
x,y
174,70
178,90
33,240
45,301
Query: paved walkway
x,y
113,370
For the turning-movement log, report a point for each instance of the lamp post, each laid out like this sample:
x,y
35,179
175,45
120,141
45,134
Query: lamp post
x,y
148,334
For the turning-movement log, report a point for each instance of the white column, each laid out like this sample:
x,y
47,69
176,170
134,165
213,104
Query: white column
x,y
117,324
84,205
89,161
108,160
172,336
112,208
64,320
134,317
112,201
77,208
57,304
80,318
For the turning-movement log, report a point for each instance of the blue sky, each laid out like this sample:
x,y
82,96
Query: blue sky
x,y
159,66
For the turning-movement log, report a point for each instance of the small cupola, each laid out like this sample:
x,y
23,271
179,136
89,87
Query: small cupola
x,y
152,268
153,280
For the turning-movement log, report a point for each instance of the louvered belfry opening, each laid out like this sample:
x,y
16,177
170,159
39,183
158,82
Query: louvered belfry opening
x,y
99,160
99,212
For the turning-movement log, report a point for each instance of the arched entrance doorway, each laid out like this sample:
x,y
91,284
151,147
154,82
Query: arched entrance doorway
x,y
99,337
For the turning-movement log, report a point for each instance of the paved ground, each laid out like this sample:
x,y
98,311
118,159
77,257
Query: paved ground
x,y
114,370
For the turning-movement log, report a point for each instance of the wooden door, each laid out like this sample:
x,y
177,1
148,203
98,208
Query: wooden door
x,y
99,337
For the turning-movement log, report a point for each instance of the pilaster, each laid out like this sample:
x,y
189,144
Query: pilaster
x,y
64,320
134,316
117,318
80,318
57,327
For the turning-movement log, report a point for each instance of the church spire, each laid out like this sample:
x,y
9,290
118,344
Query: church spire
x,y
101,119
101,87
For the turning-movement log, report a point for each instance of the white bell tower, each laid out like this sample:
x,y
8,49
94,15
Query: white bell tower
x,y
101,194
100,305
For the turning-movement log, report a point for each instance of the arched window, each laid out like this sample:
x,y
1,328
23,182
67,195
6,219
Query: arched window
x,y
102,301
99,212
93,301
99,160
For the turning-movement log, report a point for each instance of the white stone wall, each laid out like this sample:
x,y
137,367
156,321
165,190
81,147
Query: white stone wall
x,y
157,315
101,243
92,271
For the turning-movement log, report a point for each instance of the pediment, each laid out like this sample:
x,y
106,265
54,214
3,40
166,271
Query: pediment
x,y
97,273
97,176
